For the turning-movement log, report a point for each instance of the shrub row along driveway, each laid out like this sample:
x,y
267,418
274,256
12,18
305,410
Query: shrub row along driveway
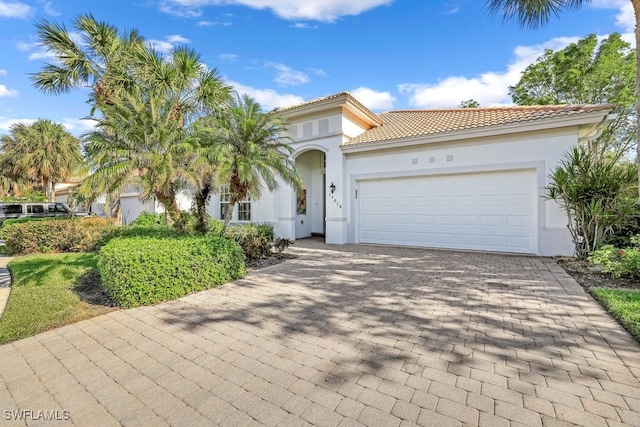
x,y
344,335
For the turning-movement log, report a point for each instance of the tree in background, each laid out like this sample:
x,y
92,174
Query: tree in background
x,y
536,13
469,103
587,72
42,152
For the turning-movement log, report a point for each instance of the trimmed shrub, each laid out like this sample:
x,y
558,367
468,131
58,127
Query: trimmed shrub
x,y
56,235
30,219
147,270
146,219
618,262
255,239
126,231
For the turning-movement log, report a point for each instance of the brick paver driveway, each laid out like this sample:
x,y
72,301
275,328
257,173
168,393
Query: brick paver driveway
x,y
340,336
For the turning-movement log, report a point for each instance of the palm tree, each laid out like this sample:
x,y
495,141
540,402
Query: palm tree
x,y
250,151
43,152
138,139
94,58
536,13
127,76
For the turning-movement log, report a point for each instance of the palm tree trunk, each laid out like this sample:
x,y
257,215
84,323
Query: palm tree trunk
x,y
46,188
228,214
170,204
202,196
53,191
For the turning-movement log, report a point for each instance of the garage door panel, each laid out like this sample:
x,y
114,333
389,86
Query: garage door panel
x,y
487,211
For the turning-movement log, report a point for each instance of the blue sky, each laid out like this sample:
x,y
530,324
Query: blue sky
x,y
390,54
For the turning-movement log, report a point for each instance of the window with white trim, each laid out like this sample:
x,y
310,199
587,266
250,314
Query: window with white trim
x,y
225,197
244,206
244,211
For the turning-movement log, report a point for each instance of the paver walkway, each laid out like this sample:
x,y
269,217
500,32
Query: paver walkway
x,y
343,335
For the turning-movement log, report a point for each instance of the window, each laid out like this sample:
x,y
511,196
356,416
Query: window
x,y
244,211
60,208
35,208
225,196
244,207
11,209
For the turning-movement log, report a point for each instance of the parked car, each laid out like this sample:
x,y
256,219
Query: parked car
x,y
35,210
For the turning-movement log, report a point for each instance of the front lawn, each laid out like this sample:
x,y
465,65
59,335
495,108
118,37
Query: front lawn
x,y
49,291
623,304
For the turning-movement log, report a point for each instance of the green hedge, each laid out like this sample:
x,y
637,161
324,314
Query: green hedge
x,y
56,235
255,239
126,231
30,219
147,270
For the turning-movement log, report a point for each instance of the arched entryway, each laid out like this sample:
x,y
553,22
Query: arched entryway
x,y
310,209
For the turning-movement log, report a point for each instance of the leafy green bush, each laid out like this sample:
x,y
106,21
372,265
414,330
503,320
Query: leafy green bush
x,y
618,262
30,219
595,192
146,219
255,239
216,226
281,244
124,231
56,235
144,270
187,223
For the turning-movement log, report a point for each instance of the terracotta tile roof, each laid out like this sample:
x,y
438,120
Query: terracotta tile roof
x,y
413,123
345,95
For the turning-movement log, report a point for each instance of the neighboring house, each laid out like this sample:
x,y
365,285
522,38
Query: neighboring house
x,y
452,178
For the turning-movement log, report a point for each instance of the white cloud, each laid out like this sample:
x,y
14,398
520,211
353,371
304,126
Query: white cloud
x,y
287,76
79,126
49,9
317,10
6,123
304,26
318,71
625,18
41,54
37,52
228,57
9,9
374,100
6,92
453,10
177,38
169,42
213,23
490,88
3,72
268,98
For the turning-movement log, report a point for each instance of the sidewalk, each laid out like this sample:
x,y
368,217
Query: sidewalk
x,y
5,282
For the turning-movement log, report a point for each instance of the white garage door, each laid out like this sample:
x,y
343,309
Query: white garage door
x,y
494,211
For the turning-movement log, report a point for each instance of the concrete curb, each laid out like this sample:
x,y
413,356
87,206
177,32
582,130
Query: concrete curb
x,y
5,283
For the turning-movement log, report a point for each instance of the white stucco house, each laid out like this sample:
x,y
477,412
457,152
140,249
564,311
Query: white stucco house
x,y
452,178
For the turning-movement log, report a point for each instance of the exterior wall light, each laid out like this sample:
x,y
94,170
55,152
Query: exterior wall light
x,y
332,187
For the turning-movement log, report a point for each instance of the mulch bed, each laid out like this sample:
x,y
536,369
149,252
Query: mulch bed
x,y
588,278
257,264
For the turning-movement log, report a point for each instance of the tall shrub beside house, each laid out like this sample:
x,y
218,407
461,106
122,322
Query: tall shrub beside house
x,y
595,193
